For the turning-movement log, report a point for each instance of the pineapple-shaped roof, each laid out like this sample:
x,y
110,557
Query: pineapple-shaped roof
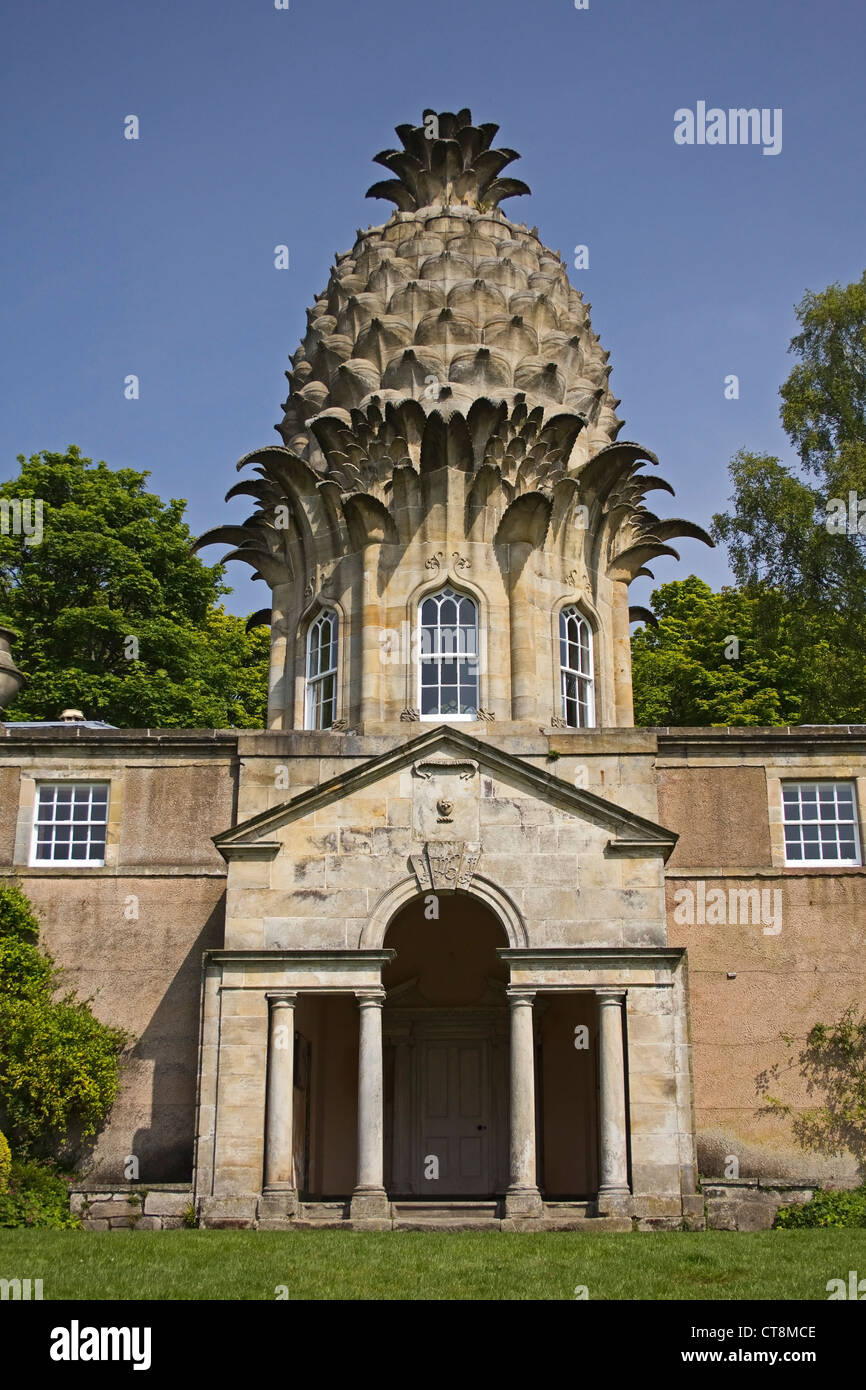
x,y
448,300
449,336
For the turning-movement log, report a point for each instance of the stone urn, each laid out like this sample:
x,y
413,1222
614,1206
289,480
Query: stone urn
x,y
11,679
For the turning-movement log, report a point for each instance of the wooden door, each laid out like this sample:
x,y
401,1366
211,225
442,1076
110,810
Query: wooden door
x,y
455,1117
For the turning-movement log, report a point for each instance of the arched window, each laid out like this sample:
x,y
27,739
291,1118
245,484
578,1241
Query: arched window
x,y
321,708
448,661
575,661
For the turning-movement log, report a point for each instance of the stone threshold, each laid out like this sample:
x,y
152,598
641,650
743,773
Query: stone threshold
x,y
408,1214
168,1206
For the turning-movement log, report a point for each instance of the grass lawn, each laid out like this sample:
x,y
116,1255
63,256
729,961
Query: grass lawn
x,y
398,1265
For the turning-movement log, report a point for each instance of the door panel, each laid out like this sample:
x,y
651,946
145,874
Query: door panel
x,y
455,1116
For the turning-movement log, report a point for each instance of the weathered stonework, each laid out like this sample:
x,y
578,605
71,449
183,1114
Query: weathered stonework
x,y
408,970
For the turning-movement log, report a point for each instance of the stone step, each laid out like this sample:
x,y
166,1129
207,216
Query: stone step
x,y
445,1215
580,1216
322,1212
566,1211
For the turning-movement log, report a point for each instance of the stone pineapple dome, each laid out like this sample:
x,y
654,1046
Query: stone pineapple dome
x,y
449,418
447,301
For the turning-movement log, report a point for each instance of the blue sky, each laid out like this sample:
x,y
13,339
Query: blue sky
x,y
257,127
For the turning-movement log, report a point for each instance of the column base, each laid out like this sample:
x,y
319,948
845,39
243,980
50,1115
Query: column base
x,y
227,1213
370,1209
523,1204
278,1204
613,1201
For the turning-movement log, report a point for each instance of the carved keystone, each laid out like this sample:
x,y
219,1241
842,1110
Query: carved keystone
x,y
445,864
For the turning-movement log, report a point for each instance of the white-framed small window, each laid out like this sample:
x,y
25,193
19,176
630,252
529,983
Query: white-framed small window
x,y
575,661
70,823
448,658
820,823
321,693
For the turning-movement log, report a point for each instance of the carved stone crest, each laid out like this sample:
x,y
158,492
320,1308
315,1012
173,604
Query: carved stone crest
x,y
426,767
445,864
408,715
444,807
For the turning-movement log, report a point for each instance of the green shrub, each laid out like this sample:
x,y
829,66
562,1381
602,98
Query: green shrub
x,y
59,1065
38,1195
5,1163
844,1208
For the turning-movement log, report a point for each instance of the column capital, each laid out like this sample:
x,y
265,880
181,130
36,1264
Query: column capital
x,y
610,996
370,998
281,998
519,994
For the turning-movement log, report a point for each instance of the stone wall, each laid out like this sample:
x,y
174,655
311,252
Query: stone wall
x,y
130,935
133,1207
798,957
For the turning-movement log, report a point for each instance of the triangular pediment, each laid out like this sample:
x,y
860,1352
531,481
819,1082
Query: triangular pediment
x,y
630,833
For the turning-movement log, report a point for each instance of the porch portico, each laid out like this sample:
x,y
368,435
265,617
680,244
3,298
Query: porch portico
x,y
249,1157
446,980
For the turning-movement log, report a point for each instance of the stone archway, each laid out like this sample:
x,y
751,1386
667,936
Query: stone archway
x,y
372,936
446,1037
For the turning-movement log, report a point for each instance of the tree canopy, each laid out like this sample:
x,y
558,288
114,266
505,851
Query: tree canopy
x,y
115,614
796,541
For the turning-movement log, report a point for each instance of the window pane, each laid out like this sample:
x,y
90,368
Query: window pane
x,y
820,821
448,659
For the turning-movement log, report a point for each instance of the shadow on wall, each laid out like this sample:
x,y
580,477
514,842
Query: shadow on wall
x,y
164,1148
769,1155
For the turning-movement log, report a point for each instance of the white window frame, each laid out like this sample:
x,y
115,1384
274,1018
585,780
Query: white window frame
x,y
585,680
315,681
790,821
77,786
438,653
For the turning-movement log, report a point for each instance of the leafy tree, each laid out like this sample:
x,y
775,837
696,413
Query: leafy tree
x,y
776,531
706,662
115,615
59,1065
799,607
824,398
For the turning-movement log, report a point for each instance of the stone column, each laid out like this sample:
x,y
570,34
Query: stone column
x,y
522,1199
621,639
524,674
369,1200
279,1197
282,675
613,1192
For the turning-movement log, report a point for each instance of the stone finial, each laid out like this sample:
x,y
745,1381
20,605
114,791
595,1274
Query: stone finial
x,y
11,679
447,159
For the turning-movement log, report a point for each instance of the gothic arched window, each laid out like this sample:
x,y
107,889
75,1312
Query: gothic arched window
x,y
448,659
575,662
321,697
